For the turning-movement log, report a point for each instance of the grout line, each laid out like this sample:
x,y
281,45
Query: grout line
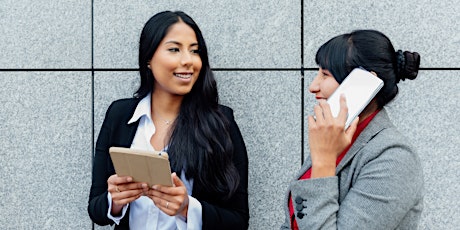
x,y
136,70
92,91
302,86
92,69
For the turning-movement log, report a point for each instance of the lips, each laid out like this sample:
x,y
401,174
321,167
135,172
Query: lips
x,y
184,75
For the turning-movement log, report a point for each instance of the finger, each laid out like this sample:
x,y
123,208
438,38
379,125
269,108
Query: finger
x,y
159,202
123,199
159,194
352,128
176,180
165,206
132,186
170,190
326,110
115,179
311,122
343,113
318,114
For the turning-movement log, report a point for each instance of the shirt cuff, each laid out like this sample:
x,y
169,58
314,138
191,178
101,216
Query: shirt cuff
x,y
194,214
115,219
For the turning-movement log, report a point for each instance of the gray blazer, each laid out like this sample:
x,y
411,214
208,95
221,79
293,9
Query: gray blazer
x,y
379,185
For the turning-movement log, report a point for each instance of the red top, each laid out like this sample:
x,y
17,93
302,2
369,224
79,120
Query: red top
x,y
307,174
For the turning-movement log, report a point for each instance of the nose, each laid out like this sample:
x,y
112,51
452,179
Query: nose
x,y
314,85
186,58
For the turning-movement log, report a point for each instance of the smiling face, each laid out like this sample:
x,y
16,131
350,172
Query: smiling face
x,y
176,63
323,85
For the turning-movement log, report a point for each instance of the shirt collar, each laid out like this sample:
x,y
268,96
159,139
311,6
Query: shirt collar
x,y
142,109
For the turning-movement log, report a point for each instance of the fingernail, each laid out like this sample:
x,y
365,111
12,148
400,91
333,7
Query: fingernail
x,y
129,179
155,187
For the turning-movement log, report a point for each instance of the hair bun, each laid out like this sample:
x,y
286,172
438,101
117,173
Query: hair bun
x,y
408,64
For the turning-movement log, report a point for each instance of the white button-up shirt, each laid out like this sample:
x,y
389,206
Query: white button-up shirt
x,y
143,212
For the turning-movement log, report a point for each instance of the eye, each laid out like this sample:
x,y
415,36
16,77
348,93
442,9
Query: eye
x,y
174,50
195,51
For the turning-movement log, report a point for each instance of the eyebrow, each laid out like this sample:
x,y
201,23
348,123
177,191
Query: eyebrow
x,y
178,43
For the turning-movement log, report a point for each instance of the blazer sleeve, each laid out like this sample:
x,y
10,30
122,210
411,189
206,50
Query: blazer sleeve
x,y
98,203
232,213
384,189
102,165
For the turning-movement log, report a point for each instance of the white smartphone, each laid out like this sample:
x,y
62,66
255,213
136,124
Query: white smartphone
x,y
359,87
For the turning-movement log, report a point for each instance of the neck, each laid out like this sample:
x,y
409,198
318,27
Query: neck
x,y
165,106
371,108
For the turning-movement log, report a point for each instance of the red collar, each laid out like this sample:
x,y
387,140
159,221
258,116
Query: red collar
x,y
361,126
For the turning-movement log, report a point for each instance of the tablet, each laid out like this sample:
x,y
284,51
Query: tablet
x,y
151,167
359,87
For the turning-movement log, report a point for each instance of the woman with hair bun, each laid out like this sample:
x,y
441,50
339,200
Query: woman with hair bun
x,y
367,176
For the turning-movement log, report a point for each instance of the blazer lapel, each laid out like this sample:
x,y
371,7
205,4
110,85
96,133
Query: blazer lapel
x,y
127,131
379,123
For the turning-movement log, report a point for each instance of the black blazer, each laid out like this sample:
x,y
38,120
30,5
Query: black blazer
x,y
115,131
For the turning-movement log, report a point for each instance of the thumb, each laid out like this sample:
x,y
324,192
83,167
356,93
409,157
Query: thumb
x,y
352,128
176,180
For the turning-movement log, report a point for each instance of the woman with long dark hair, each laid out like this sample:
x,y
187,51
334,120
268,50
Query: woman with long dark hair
x,y
367,176
175,110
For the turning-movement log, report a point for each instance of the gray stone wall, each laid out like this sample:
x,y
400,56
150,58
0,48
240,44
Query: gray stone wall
x,y
63,62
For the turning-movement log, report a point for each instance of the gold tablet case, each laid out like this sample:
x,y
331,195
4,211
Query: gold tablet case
x,y
143,166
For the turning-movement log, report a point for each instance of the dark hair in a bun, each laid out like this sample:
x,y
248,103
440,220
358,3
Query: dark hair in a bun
x,y
373,51
407,65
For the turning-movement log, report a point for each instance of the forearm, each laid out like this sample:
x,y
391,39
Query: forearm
x,y
97,210
319,202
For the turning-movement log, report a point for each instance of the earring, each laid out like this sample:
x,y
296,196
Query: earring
x,y
148,66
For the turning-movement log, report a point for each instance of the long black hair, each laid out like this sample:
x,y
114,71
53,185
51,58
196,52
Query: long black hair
x,y
373,51
200,143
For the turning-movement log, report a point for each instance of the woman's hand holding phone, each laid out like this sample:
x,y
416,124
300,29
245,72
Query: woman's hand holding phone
x,y
328,138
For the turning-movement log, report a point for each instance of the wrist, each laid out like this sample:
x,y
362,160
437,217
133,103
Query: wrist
x,y
183,213
116,210
322,170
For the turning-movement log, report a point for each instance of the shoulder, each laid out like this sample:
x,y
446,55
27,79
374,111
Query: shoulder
x,y
390,138
381,135
124,104
225,109
122,109
383,145
391,151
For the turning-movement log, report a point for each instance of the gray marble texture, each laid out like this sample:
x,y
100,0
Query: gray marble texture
x,y
49,120
426,111
428,27
45,34
45,159
268,113
239,34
